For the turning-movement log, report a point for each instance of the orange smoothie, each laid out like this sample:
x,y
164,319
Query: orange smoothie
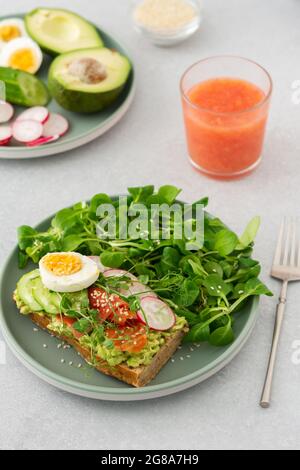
x,y
225,121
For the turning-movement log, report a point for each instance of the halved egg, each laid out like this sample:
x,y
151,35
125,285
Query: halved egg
x,y
22,54
11,28
68,272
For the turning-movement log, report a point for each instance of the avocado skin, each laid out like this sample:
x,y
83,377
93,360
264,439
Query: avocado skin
x,y
80,101
46,49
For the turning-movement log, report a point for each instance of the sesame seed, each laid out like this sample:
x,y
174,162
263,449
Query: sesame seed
x,y
188,356
79,366
35,329
62,361
58,346
70,363
181,358
172,360
45,346
192,349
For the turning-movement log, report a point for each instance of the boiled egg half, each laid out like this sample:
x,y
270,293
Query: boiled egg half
x,y
22,54
11,28
68,272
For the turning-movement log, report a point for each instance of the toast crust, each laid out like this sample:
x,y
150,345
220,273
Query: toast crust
x,y
138,376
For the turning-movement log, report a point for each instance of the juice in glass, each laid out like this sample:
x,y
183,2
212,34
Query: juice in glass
x,y
225,115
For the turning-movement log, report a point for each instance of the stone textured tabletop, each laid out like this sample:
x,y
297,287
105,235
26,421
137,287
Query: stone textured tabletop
x,y
148,146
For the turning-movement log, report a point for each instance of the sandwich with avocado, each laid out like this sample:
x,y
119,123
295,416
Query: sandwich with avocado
x,y
118,325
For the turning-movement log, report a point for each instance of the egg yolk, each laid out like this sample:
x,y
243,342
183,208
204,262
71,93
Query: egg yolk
x,y
23,59
62,264
7,33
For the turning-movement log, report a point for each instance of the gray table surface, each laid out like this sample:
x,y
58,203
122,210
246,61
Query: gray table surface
x,y
148,146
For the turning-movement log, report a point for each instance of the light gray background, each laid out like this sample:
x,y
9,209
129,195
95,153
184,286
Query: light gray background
x,y
148,146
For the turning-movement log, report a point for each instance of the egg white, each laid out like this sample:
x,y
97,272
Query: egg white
x,y
18,44
13,22
84,278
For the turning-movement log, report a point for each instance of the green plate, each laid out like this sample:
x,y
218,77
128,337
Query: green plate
x,y
83,128
190,365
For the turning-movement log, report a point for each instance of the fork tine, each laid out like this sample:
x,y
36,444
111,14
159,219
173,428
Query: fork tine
x,y
293,240
277,255
287,243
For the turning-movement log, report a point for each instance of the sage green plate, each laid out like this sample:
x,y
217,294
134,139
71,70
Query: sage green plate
x,y
190,365
83,127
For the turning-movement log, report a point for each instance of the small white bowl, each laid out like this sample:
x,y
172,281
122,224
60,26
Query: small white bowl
x,y
166,38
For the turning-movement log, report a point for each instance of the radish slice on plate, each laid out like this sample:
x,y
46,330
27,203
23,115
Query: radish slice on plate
x,y
36,113
118,273
6,111
5,134
55,125
100,266
156,314
42,141
27,131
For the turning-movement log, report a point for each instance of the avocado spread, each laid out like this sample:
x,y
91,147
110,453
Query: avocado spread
x,y
29,291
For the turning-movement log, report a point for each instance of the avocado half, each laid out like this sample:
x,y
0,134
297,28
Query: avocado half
x,y
58,31
75,93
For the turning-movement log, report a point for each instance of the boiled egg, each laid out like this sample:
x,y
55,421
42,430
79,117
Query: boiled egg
x,y
68,272
22,54
11,28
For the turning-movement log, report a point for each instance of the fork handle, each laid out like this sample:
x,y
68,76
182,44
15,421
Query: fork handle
x,y
267,389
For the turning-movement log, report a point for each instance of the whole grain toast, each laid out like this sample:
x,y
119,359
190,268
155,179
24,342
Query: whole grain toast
x,y
137,376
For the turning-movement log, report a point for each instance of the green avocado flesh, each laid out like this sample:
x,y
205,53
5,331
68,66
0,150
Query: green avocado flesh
x,y
58,31
33,297
89,80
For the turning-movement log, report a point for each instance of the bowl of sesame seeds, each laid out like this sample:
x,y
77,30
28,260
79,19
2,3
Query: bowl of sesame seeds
x,y
167,22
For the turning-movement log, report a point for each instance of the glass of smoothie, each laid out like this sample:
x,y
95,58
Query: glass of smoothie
x,y
225,106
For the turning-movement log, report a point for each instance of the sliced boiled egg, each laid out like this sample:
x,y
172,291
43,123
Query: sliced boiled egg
x,y
22,54
68,272
11,28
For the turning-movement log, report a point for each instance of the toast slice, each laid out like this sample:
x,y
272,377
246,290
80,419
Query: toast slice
x,y
137,376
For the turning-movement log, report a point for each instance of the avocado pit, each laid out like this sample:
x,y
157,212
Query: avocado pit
x,y
88,70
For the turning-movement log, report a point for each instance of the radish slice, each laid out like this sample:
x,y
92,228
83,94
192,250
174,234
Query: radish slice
x,y
55,125
100,266
139,289
42,141
118,273
6,111
37,113
5,134
27,131
156,314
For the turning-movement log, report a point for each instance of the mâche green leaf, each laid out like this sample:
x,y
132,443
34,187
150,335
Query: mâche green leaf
x,y
206,285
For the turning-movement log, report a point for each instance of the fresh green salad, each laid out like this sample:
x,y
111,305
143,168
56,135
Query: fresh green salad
x,y
206,285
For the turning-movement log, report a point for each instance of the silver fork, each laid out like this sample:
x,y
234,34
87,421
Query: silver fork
x,y
286,267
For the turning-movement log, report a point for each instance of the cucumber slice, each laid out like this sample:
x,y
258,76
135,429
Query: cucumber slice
x,y
24,288
49,301
24,89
